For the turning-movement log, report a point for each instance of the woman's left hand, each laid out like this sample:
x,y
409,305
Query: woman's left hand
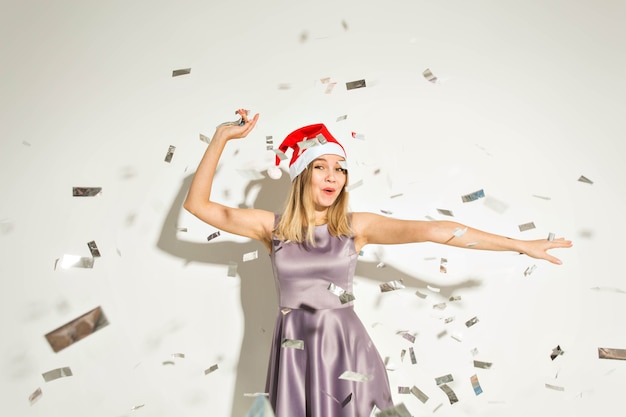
x,y
539,248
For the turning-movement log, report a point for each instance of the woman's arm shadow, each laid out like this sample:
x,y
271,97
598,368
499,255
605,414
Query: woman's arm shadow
x,y
259,301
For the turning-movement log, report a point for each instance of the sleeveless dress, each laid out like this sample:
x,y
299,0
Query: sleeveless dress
x,y
317,338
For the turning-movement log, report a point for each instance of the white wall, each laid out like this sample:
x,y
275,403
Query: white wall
x,y
533,98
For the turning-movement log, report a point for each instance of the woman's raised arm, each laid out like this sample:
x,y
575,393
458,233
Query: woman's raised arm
x,y
256,224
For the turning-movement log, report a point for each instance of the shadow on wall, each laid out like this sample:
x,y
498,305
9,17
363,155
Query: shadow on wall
x,y
259,301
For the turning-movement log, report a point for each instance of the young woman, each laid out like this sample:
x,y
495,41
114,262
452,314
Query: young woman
x,y
323,362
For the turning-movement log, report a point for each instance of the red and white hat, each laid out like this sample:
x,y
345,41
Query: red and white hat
x,y
308,143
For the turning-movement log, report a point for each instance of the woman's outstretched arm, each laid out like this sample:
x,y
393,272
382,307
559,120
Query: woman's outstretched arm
x,y
252,223
377,229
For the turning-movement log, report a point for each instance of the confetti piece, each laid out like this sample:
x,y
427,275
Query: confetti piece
x,y
359,136
77,329
471,321
213,236
74,261
471,244
205,139
35,396
232,269
86,191
542,197
530,270
482,365
353,186
457,336
526,226
409,337
451,395
404,390
419,394
261,407
212,368
429,76
476,385
459,232
440,306
354,376
340,118
433,289
391,286
179,72
93,248
344,297
611,353
380,265
473,196
56,374
421,295
355,84
168,363
280,154
170,154
256,394
455,298
284,86
412,355
557,351
344,24
399,410
137,407
551,237
292,343
178,355
585,180
250,256
444,379
181,229
445,212
402,355
387,212
442,266
555,387
330,87
609,289
449,320
495,205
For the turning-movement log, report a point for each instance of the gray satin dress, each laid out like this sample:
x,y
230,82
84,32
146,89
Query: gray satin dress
x,y
303,379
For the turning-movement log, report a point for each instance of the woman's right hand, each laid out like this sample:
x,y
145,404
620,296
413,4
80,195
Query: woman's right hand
x,y
235,130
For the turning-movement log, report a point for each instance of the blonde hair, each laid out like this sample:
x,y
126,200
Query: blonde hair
x,y
297,223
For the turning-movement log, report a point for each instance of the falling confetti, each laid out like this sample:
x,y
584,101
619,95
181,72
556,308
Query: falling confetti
x,y
179,72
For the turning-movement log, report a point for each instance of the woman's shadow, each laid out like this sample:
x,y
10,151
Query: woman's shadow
x,y
259,301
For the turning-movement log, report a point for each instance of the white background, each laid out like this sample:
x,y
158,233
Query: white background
x,y
531,97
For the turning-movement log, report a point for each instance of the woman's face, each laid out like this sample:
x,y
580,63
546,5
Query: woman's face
x,y
327,180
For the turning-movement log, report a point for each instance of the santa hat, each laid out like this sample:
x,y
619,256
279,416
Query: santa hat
x,y
308,143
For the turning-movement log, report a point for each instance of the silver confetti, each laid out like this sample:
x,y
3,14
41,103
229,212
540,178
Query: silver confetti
x,y
168,363
542,197
482,365
170,154
404,390
380,265
459,232
526,226
86,191
280,154
412,355
551,237
340,118
359,136
433,289
307,143
402,355
585,180
213,236
440,306
444,379
232,269
137,407
353,186
445,212
471,321
179,72
409,337
449,319
419,394
212,368
182,229
204,138
35,396
250,256
391,286
321,139
473,196
399,410
74,261
451,395
442,266
557,351
355,84
292,343
428,74
56,374
354,376
476,385
555,387
346,297
457,336
178,355
611,353
77,329
93,248
285,311
455,298
530,270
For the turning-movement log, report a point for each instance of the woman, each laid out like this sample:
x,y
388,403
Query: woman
x,y
323,363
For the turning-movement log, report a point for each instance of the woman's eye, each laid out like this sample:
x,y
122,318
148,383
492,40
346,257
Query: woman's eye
x,y
318,167
342,170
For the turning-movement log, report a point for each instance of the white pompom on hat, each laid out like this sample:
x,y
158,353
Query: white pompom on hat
x,y
309,143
